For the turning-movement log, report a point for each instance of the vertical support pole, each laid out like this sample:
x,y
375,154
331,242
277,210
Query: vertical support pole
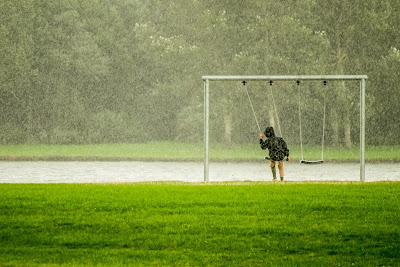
x,y
206,128
362,130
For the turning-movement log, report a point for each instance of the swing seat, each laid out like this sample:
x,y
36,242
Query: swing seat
x,y
312,161
268,158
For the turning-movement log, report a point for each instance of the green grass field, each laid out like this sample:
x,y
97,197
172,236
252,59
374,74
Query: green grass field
x,y
219,224
181,151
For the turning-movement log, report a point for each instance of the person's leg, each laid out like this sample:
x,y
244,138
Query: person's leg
x,y
272,165
281,170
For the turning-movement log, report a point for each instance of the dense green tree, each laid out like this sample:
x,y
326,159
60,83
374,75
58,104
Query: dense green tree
x,y
130,70
356,31
384,128
19,100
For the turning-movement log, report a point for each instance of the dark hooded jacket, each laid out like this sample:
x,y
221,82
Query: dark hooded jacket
x,y
276,145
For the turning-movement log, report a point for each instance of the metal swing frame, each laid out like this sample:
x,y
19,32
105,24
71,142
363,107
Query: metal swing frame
x,y
207,79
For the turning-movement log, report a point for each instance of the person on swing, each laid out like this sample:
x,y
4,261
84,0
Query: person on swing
x,y
277,151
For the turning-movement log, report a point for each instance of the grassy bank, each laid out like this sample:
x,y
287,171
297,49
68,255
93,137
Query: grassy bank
x,y
181,151
184,224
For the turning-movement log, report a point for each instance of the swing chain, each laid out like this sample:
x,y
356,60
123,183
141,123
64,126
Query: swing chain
x,y
323,129
301,137
276,111
251,105
323,123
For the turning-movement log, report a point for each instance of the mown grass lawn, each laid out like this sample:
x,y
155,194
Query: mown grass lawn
x,y
182,151
218,224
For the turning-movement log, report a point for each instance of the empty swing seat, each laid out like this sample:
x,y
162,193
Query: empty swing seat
x,y
312,161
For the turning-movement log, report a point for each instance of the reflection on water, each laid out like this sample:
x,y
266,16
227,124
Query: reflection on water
x,y
103,172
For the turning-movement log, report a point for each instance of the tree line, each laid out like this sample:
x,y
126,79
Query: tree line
x,y
128,71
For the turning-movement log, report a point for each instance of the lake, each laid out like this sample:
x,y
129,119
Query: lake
x,y
138,171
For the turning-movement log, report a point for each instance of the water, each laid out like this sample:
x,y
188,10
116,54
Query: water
x,y
120,172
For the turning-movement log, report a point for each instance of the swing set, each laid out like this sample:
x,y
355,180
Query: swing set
x,y
300,128
298,80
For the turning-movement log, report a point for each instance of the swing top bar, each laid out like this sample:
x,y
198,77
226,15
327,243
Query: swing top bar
x,y
286,78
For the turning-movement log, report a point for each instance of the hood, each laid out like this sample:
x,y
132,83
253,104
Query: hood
x,y
269,132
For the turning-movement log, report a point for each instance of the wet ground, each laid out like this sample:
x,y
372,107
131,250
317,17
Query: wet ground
x,y
105,172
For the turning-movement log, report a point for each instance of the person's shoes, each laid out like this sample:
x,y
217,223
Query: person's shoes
x,y
274,179
281,179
